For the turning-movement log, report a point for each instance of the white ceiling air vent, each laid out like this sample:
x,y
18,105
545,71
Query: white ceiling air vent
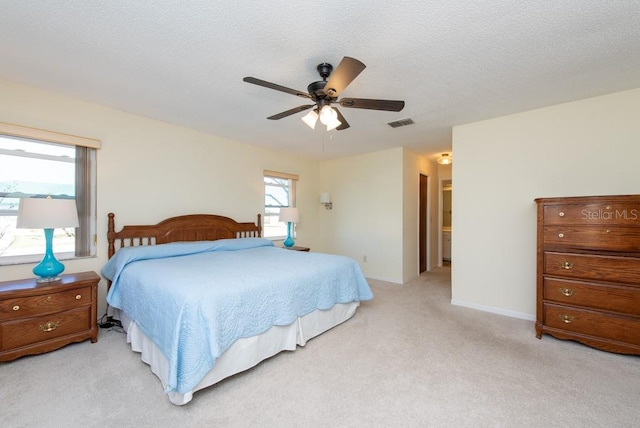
x,y
401,122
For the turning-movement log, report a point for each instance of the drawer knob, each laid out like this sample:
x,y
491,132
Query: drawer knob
x,y
566,291
560,235
49,326
78,296
566,265
561,214
567,319
16,308
48,298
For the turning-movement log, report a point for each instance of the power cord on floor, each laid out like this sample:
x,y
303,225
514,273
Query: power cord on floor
x,y
107,321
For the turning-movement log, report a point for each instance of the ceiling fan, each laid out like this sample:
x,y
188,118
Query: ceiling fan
x,y
325,92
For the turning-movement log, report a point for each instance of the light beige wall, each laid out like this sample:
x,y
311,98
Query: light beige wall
x,y
366,219
149,170
588,147
375,211
414,165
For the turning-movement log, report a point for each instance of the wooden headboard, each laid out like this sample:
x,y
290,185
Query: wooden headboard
x,y
193,227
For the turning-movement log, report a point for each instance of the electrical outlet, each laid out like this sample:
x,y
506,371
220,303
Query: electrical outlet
x,y
364,259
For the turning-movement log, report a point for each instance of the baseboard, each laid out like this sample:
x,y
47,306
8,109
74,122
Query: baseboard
x,y
393,281
494,310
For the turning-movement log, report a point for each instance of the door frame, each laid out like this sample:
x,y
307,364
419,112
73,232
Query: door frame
x,y
441,186
424,232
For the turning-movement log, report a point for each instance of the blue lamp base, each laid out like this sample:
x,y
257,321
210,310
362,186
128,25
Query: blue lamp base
x,y
49,268
289,241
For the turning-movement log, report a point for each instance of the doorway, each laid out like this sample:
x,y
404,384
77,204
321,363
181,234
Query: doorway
x,y
423,229
447,212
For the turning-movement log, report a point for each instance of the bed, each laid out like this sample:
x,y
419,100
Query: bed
x,y
203,297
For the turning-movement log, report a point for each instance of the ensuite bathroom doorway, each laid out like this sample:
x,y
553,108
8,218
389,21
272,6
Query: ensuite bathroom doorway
x,y
447,190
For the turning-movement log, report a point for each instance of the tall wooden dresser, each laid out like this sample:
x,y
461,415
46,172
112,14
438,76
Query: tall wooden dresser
x,y
588,271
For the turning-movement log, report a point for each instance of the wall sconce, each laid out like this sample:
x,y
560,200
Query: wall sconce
x,y
325,199
445,159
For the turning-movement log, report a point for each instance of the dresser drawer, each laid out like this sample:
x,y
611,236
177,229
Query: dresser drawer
x,y
593,295
44,304
616,213
593,267
597,324
603,237
33,330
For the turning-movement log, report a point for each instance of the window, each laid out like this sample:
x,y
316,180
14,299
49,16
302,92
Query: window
x,y
279,192
36,163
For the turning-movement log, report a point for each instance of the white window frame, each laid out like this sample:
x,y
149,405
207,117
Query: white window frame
x,y
85,190
272,210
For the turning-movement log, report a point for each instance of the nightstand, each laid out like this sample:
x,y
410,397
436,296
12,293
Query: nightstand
x,y
296,248
37,318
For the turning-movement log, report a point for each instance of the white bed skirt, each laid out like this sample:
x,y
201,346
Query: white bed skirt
x,y
244,353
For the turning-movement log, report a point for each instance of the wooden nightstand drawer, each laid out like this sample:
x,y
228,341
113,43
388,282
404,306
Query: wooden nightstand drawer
x,y
34,330
44,304
42,317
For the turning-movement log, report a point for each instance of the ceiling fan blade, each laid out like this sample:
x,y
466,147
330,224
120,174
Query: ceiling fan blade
x,y
347,70
341,118
281,88
290,112
387,105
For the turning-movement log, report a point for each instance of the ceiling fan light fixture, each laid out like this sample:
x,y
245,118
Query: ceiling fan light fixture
x,y
328,115
310,119
333,124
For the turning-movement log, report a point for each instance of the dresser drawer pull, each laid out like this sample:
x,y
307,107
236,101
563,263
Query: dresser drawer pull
x,y
566,265
566,291
49,326
48,298
560,235
78,296
16,308
561,214
567,319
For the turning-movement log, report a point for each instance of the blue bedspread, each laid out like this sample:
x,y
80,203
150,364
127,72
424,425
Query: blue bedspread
x,y
194,300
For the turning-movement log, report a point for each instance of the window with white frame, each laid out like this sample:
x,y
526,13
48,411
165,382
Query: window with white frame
x,y
36,163
279,192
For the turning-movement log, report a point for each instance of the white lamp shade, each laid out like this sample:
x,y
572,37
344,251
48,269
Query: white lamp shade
x,y
325,198
328,115
47,213
289,215
333,124
310,119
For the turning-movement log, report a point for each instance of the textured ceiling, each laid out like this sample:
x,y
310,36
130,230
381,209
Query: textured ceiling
x,y
452,62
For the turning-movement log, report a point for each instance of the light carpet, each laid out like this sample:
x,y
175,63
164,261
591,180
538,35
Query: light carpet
x,y
407,359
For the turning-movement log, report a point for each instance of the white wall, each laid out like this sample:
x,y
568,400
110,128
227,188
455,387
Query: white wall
x,y
375,211
588,147
150,170
366,219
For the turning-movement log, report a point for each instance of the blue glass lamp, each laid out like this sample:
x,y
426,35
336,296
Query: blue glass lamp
x,y
290,216
48,214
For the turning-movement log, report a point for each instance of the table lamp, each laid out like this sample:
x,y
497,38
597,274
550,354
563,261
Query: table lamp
x,y
290,216
48,214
